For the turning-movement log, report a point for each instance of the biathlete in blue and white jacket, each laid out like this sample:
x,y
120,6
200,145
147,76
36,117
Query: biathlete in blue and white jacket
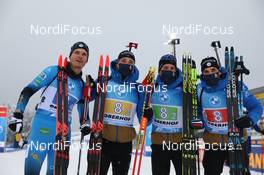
x,y
123,104
44,122
166,103
213,109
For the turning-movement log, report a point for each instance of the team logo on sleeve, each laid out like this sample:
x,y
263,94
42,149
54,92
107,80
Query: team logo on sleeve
x,y
42,75
39,78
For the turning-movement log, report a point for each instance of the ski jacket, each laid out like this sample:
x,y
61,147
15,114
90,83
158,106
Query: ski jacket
x,y
213,108
47,81
123,102
167,107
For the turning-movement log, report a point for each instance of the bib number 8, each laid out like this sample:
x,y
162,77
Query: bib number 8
x,y
163,113
118,108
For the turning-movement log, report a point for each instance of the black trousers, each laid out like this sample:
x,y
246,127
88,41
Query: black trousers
x,y
119,154
160,160
213,161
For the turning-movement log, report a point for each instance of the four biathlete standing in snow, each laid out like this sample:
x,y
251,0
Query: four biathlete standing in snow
x,y
123,104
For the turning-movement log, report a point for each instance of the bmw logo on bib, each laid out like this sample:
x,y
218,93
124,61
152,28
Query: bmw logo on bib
x,y
120,92
71,86
163,98
214,100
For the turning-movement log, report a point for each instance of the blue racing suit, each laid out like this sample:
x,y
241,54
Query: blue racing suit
x,y
43,132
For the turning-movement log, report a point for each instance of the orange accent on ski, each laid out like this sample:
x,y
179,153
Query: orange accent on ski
x,y
144,122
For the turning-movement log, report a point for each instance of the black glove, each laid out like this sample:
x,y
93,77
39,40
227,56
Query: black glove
x,y
85,129
243,122
148,113
16,122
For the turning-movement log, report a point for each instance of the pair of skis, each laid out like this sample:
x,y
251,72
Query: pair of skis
x,y
148,83
190,159
61,156
95,142
234,98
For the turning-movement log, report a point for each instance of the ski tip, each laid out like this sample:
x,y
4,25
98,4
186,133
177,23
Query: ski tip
x,y
107,61
226,49
60,60
65,62
232,49
193,64
189,55
101,61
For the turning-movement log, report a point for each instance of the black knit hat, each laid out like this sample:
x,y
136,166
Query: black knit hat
x,y
126,53
167,59
80,45
209,62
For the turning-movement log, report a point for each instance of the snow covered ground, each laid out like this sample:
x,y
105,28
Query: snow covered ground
x,y
11,163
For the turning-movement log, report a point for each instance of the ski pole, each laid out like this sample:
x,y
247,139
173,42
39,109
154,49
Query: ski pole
x,y
149,80
144,123
173,41
87,96
216,45
262,147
